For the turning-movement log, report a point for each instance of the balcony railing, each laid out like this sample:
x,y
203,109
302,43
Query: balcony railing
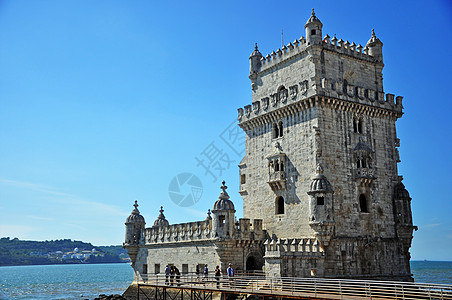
x,y
303,287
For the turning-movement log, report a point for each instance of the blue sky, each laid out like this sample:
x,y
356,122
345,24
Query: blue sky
x,y
105,102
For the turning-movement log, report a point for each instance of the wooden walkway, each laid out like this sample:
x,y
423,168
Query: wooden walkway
x,y
291,287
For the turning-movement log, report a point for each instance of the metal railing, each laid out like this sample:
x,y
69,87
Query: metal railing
x,y
304,287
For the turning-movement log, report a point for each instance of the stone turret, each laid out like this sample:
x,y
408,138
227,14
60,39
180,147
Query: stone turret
x,y
313,30
223,215
255,60
375,47
135,227
321,206
161,220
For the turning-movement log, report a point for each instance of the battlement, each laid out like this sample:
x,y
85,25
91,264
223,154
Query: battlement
x,y
347,48
297,98
298,247
245,230
201,230
192,231
300,46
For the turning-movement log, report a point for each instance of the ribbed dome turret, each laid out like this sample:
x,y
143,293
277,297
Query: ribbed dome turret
x,y
374,40
255,61
135,216
313,19
319,183
161,220
223,202
256,51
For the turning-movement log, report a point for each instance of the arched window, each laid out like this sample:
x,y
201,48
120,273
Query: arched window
x,y
281,129
280,205
355,126
281,167
360,125
276,166
275,131
222,220
363,203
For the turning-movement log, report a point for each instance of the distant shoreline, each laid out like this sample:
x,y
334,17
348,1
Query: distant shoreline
x,y
67,263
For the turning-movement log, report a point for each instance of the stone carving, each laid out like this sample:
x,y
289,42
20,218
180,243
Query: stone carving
x,y
303,87
247,110
283,94
339,87
274,99
256,107
265,103
293,91
240,111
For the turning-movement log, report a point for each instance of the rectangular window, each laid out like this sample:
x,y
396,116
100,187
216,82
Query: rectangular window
x,y
184,268
157,269
242,179
145,268
320,201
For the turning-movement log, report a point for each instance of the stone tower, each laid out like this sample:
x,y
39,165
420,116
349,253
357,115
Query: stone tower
x,y
223,215
320,166
135,227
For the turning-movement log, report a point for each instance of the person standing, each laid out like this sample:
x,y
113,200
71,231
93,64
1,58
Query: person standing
x,y
206,272
230,271
176,271
167,273
197,272
217,276
172,273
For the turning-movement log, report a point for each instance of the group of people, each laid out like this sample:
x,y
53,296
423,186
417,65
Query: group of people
x,y
172,274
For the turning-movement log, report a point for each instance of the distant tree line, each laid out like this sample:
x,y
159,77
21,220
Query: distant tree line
x,y
20,252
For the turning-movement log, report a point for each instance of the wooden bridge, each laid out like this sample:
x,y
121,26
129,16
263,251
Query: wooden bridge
x,y
198,287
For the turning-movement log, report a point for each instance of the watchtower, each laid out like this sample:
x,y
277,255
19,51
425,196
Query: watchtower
x,y
320,166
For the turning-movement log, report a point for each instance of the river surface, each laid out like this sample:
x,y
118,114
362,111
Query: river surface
x,y
87,281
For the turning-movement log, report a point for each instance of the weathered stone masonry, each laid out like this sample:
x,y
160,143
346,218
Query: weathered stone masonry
x,y
321,192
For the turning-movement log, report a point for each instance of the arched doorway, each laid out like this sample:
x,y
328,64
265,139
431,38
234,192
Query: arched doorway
x,y
254,262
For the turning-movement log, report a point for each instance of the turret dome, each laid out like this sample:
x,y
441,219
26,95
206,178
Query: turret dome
x,y
319,183
223,202
135,216
374,40
256,51
161,220
313,19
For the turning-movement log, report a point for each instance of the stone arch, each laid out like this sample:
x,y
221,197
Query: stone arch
x,y
254,262
279,205
363,205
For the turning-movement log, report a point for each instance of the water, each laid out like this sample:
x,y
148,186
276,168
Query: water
x,y
432,271
88,281
64,281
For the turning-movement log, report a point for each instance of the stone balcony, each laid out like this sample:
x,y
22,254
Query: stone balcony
x,y
277,180
365,175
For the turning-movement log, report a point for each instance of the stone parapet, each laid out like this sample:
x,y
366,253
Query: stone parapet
x,y
369,107
245,229
192,231
293,247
